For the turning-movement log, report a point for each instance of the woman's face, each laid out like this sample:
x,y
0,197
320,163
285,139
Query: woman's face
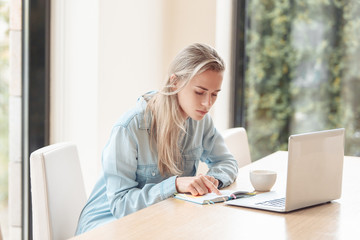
x,y
198,96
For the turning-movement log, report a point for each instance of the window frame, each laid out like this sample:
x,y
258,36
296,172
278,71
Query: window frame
x,y
35,94
240,64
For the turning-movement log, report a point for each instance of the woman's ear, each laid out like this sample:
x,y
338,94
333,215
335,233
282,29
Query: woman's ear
x,y
173,82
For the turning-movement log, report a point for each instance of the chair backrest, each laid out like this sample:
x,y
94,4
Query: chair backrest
x,y
237,142
0,234
57,189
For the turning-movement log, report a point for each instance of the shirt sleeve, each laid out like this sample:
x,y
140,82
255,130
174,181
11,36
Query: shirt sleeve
x,y
120,166
222,164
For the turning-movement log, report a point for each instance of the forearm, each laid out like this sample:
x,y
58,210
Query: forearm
x,y
131,200
224,170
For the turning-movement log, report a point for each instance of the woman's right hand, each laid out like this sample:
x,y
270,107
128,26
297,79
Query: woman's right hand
x,y
197,185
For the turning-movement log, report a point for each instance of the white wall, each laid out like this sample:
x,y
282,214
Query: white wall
x,y
223,107
104,58
74,79
130,57
186,22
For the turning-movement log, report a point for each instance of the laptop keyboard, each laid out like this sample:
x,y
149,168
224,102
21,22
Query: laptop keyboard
x,y
280,202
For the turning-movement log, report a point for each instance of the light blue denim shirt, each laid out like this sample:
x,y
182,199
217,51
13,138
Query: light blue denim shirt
x,y
131,179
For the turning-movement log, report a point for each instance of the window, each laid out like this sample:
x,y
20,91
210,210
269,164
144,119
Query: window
x,y
4,110
300,71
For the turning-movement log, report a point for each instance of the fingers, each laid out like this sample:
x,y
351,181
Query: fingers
x,y
199,185
194,185
196,190
211,183
213,180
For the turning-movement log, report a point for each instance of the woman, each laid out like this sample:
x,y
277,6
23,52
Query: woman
x,y
154,149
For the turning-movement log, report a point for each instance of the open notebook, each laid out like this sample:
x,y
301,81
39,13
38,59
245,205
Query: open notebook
x,y
211,198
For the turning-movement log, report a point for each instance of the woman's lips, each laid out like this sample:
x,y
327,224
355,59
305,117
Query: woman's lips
x,y
202,112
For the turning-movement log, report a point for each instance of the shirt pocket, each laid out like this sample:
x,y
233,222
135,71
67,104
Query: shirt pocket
x,y
148,174
191,160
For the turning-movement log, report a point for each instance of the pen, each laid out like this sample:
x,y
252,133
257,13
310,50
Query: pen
x,y
241,194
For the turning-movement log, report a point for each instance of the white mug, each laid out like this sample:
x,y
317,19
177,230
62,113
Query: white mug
x,y
262,180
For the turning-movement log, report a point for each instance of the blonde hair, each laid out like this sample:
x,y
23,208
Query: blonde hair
x,y
167,122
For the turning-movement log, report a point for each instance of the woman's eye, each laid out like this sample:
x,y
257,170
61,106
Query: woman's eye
x,y
199,93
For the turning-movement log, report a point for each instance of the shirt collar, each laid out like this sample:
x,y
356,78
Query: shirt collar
x,y
144,122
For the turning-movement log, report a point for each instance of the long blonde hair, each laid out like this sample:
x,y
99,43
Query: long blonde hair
x,y
167,122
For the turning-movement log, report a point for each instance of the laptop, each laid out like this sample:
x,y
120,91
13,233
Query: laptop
x,y
314,174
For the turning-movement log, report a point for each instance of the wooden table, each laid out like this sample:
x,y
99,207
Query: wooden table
x,y
177,219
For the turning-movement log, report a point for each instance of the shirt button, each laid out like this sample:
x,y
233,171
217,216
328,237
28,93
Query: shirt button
x,y
153,173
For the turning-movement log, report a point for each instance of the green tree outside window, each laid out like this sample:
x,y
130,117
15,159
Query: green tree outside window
x,y
302,71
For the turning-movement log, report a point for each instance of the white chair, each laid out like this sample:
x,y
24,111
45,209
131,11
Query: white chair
x,y
57,190
0,234
237,142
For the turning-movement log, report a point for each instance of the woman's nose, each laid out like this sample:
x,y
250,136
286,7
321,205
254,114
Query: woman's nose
x,y
207,101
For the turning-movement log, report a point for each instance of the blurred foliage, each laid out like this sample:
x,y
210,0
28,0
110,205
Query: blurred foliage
x,y
4,101
302,71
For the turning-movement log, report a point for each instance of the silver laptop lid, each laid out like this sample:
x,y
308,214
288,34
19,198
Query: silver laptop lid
x,y
315,168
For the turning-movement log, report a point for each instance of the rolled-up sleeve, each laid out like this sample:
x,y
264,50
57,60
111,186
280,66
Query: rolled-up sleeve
x,y
120,160
222,164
